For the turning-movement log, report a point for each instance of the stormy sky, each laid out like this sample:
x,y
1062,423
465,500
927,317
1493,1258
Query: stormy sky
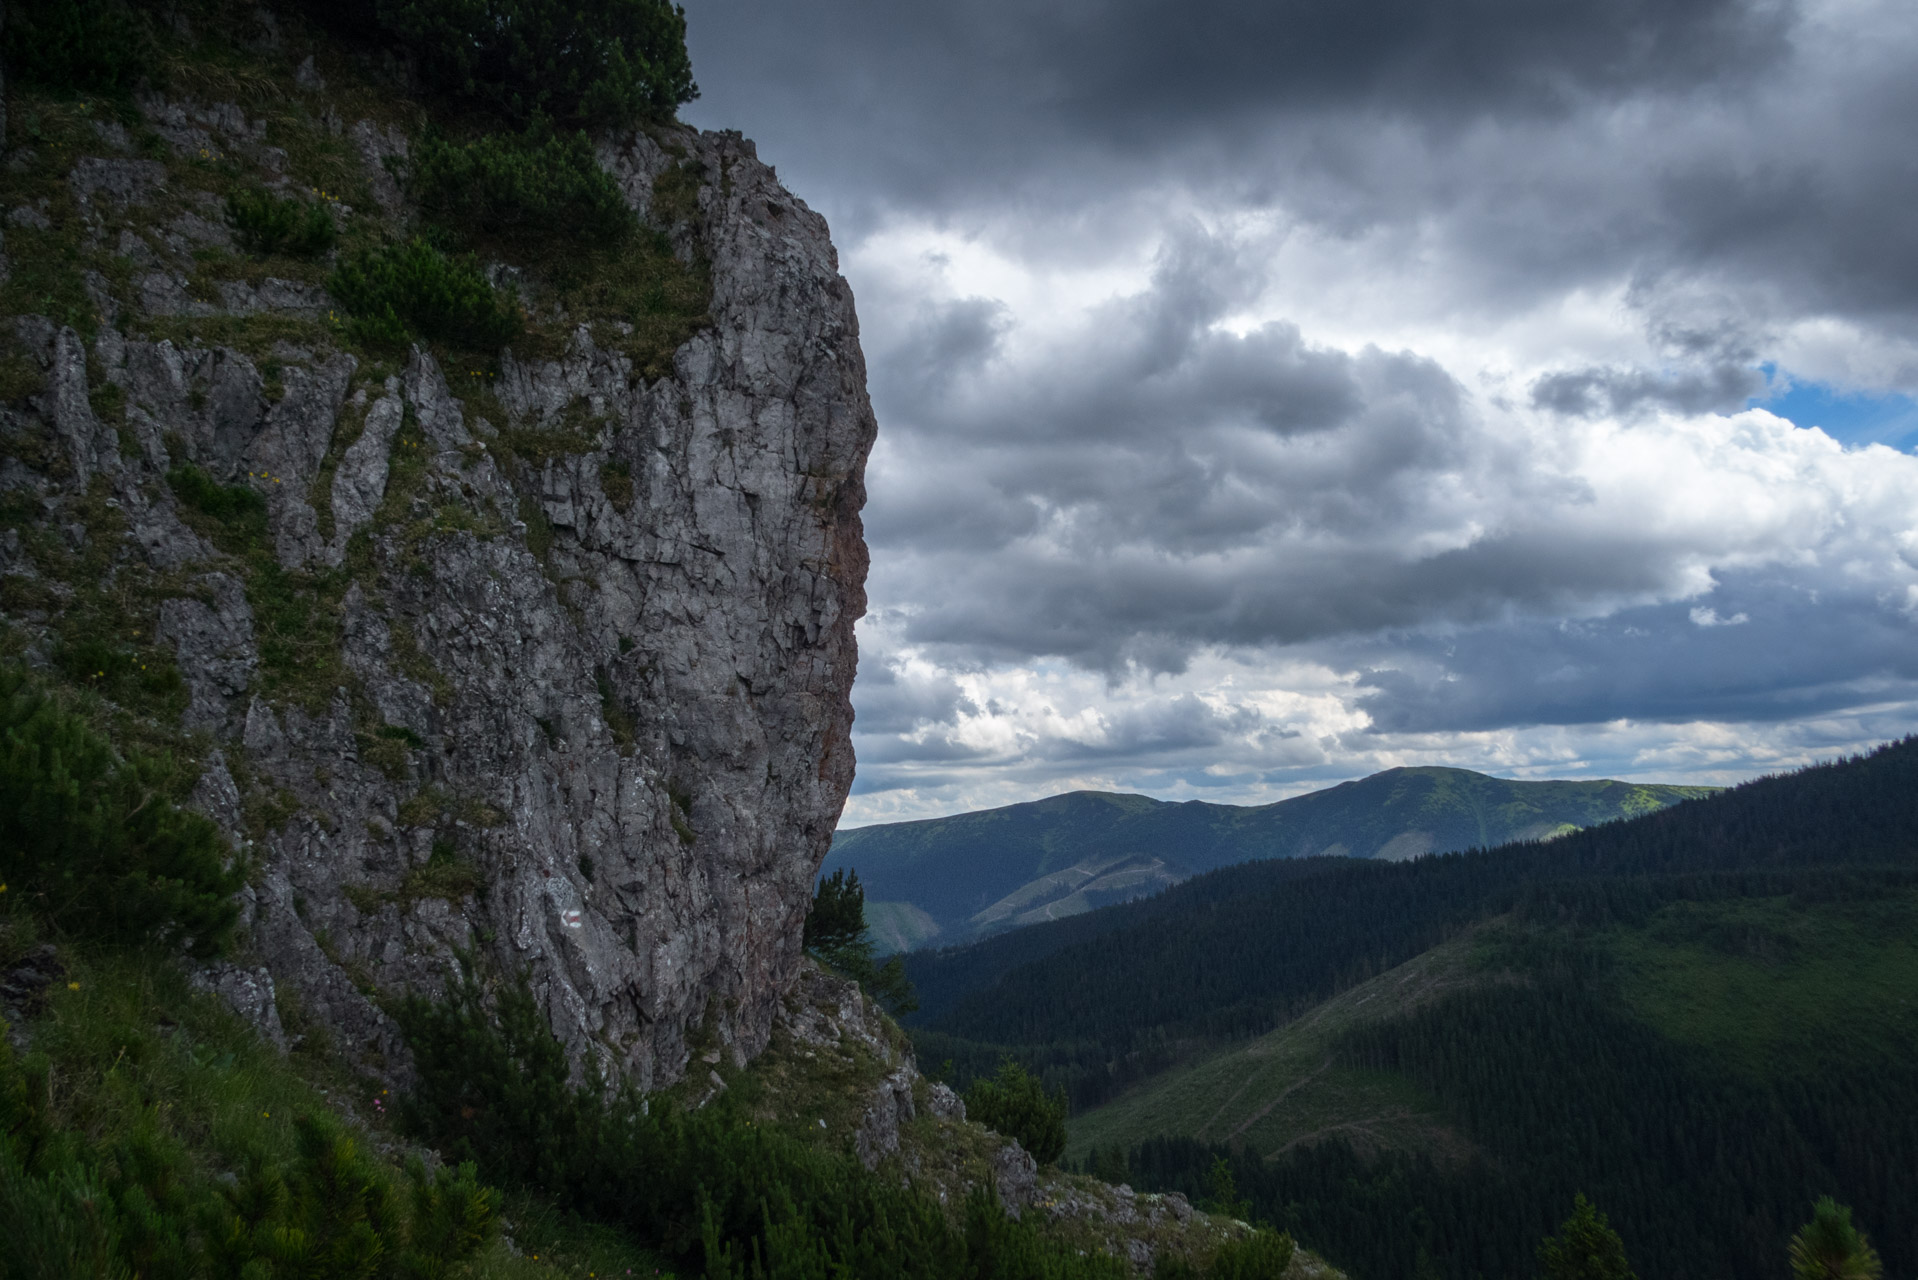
x,y
1275,391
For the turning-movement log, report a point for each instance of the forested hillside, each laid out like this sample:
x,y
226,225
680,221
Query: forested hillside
x,y
1701,1019
1703,1073
949,879
1102,1000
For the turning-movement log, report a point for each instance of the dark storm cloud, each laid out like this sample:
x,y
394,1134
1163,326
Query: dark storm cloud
x,y
1152,485
1729,140
892,701
1768,649
1142,63
945,341
1625,392
1155,477
1153,431
1153,611
992,80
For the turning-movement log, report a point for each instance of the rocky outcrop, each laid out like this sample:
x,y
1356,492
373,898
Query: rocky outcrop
x,y
841,1074
563,664
827,1025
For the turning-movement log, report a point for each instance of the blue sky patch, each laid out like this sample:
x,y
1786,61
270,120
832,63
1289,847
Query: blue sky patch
x,y
1851,418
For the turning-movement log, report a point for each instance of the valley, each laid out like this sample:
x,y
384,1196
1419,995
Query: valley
x,y
1702,1019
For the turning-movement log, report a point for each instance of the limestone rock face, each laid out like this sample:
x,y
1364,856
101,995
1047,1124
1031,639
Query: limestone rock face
x,y
580,710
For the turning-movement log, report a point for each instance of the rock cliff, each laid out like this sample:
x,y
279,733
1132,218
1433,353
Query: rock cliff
x,y
544,660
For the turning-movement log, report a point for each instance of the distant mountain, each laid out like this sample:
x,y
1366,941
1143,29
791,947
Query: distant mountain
x,y
1240,950
950,880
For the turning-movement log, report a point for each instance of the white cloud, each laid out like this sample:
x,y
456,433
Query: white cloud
x,y
1243,431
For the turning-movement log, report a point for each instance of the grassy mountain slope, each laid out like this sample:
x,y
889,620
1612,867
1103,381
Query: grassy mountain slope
x,y
1703,1067
1769,987
998,868
1288,1087
1775,987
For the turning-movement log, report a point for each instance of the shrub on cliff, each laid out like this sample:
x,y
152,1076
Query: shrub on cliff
x,y
1829,1247
89,840
711,1188
835,932
96,1179
535,186
411,289
1585,1248
76,46
1015,1103
585,62
1263,1255
265,223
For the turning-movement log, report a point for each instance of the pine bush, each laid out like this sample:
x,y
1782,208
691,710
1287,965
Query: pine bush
x,y
411,289
585,62
265,223
1263,1255
76,46
1015,1103
835,932
1585,1248
133,1201
90,841
711,1189
1829,1247
536,187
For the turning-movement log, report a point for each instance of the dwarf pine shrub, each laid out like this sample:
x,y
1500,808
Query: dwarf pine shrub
x,y
266,223
238,513
711,1189
90,842
580,62
536,187
130,1197
411,289
1263,1255
68,47
835,933
1014,1102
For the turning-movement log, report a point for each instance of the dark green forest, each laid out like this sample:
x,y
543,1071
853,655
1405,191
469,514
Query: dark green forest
x,y
1561,1077
1703,1172
1097,1001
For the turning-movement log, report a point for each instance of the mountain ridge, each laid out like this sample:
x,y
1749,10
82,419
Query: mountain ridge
x,y
974,874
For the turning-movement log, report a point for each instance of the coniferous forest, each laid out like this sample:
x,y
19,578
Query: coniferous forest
x,y
1566,1071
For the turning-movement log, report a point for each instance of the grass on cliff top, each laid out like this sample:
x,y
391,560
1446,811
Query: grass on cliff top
x,y
636,294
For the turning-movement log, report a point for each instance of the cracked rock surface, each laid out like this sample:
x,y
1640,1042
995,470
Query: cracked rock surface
x,y
600,738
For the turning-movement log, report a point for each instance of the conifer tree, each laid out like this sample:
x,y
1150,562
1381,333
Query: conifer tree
x,y
1014,1102
1585,1248
1829,1247
836,933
